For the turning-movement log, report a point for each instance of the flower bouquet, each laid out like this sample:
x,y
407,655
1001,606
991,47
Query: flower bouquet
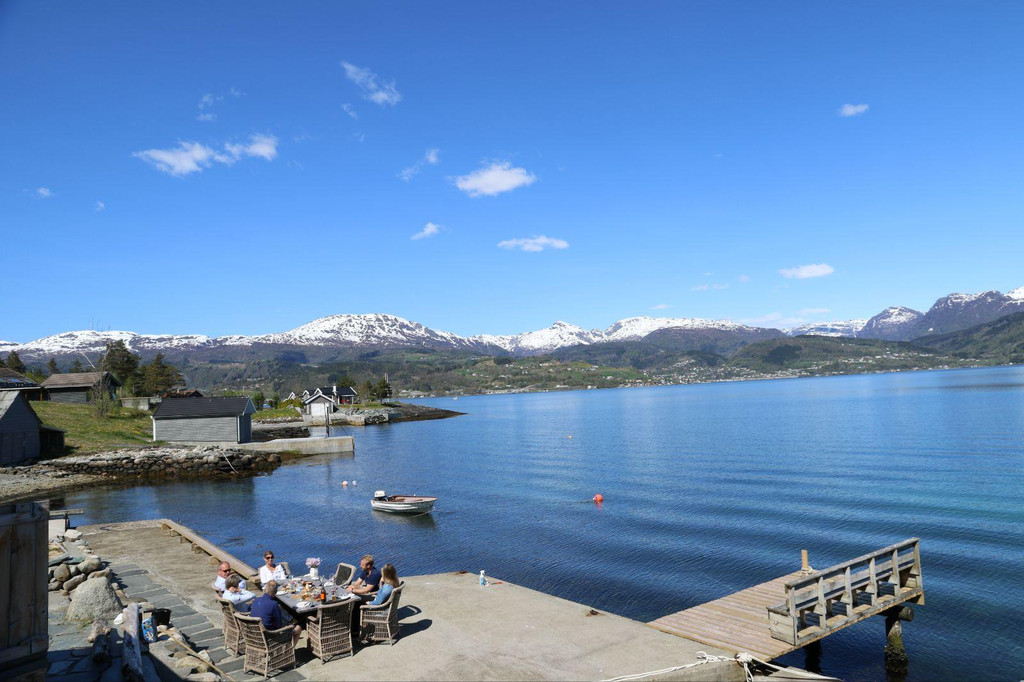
x,y
313,564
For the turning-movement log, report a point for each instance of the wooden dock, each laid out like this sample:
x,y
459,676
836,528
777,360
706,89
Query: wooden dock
x,y
738,622
785,614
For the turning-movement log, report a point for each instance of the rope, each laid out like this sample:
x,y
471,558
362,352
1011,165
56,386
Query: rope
x,y
229,462
744,659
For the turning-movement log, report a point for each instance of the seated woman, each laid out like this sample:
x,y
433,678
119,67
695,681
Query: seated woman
x,y
388,583
271,571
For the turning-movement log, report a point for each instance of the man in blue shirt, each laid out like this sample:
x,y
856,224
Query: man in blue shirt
x,y
367,579
267,609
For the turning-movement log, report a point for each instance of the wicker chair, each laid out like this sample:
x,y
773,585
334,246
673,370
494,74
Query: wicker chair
x,y
330,630
380,623
284,565
343,576
265,650
232,634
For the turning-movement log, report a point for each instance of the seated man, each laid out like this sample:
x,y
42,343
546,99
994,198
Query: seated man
x,y
367,578
236,594
223,571
266,608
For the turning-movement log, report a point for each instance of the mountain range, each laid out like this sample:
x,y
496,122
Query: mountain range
x,y
339,336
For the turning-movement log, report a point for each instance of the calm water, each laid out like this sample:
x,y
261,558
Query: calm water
x,y
708,489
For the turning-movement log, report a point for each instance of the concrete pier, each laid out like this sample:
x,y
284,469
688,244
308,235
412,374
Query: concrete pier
x,y
452,628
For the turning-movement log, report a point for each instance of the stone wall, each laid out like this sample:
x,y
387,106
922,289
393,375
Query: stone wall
x,y
205,461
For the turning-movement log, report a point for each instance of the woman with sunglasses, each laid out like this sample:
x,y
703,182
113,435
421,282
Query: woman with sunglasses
x,y
271,571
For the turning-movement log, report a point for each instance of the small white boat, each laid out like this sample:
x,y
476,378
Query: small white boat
x,y
402,504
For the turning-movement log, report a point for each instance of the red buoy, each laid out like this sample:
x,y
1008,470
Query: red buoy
x,y
599,498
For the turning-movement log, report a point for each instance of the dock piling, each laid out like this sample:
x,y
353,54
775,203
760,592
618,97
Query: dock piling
x,y
896,660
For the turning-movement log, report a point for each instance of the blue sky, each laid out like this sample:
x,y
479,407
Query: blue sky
x,y
223,168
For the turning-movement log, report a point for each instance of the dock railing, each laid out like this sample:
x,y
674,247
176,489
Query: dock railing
x,y
831,599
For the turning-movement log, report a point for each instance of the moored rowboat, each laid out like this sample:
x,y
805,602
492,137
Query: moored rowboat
x,y
402,504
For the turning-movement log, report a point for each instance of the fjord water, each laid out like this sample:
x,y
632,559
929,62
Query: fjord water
x,y
708,489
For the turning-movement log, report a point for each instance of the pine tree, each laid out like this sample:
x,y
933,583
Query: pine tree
x,y
76,366
15,363
258,399
52,367
383,389
368,393
157,377
122,363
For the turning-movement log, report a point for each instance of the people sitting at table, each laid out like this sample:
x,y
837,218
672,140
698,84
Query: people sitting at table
x,y
223,571
367,578
235,593
388,583
270,570
266,608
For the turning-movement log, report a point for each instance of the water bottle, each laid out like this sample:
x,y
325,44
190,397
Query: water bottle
x,y
483,580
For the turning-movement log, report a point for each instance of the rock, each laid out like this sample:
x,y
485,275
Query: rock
x,y
73,569
72,534
61,573
74,582
148,606
94,599
205,656
186,665
203,677
105,573
91,563
53,586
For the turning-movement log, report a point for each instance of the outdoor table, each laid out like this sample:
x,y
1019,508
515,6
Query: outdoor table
x,y
291,600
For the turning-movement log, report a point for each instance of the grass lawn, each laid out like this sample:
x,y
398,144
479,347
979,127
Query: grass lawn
x,y
279,413
85,432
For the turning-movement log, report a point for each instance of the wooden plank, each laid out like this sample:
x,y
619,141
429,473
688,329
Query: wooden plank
x,y
41,600
132,645
5,588
21,610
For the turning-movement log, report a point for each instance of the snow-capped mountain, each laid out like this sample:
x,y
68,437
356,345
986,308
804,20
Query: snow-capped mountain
x,y
892,324
559,335
344,330
851,328
324,336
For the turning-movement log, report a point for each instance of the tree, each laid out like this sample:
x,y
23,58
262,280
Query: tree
x,y
76,366
157,377
52,367
383,389
2,363
258,399
275,400
368,392
15,363
122,363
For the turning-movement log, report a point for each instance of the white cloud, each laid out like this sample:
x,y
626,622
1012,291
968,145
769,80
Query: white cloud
x,y
807,271
534,243
494,179
848,110
383,95
208,100
207,117
350,110
262,146
813,311
701,287
193,157
743,278
44,193
100,206
661,306
430,158
429,230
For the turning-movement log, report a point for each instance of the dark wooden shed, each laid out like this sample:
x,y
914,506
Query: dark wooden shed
x,y
79,387
19,429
